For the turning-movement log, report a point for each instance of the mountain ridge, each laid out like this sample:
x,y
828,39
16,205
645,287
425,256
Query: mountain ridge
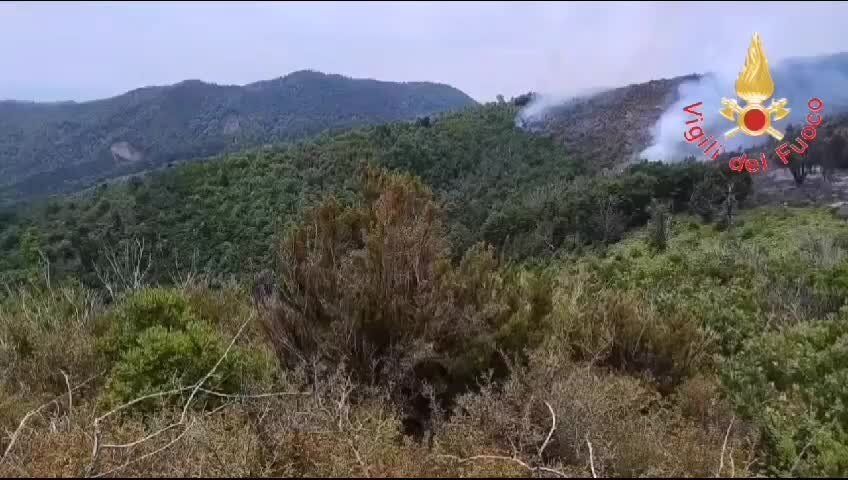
x,y
48,148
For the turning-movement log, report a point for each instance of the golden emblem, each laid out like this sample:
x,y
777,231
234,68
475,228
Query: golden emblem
x,y
755,86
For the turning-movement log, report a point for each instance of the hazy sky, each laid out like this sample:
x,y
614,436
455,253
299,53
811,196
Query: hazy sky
x,y
82,51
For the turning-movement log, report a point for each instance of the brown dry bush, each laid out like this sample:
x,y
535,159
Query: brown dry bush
x,y
372,285
632,430
617,329
220,444
344,427
44,332
326,433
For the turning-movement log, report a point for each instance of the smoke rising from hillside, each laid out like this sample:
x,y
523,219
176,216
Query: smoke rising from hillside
x,y
543,103
798,80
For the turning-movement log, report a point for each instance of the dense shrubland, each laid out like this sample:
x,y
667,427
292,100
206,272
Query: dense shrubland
x,y
613,325
519,193
385,357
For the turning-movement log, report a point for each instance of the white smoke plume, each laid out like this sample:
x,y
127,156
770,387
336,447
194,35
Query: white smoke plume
x,y
538,108
542,104
797,80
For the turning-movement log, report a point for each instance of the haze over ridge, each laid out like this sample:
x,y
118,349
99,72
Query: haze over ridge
x,y
100,50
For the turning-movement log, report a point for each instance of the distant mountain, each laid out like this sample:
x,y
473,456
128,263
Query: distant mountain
x,y
58,147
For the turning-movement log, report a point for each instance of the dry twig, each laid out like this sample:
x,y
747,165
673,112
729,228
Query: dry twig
x,y
514,459
97,444
148,455
724,447
70,394
31,413
550,433
591,458
508,459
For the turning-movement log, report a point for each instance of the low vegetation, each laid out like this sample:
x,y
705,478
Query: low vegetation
x,y
447,298
365,348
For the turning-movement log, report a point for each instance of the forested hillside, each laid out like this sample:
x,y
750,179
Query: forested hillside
x,y
518,192
59,147
448,297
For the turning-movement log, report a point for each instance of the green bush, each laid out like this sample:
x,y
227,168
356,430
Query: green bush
x,y
794,384
165,359
615,329
831,286
142,310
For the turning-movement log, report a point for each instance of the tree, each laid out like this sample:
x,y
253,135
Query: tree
x,y
729,207
524,99
800,168
707,197
659,225
612,220
837,150
30,248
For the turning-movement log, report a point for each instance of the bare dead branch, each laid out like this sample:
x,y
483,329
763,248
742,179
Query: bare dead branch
x,y
359,458
508,459
551,470
34,412
732,464
591,458
141,440
488,457
148,455
213,369
45,261
724,447
246,397
124,269
550,433
70,393
137,400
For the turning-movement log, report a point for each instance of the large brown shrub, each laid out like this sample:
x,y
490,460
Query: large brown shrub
x,y
372,285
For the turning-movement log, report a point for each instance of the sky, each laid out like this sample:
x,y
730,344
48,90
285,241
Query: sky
x,y
83,51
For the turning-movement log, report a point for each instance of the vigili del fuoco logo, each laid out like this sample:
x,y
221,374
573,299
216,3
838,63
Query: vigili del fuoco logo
x,y
755,87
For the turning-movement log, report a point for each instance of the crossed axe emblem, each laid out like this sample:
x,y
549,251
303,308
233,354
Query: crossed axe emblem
x,y
754,119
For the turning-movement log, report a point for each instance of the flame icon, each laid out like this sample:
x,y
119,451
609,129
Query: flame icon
x,y
755,86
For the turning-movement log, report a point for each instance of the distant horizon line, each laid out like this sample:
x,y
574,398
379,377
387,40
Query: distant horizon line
x,y
312,70
234,85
